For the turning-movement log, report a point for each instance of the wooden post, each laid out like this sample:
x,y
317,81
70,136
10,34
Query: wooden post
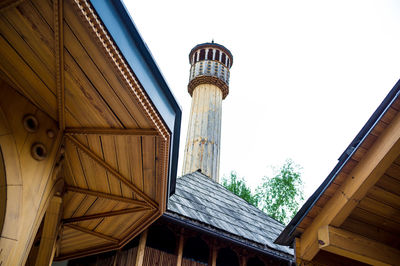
x,y
243,260
297,249
141,248
180,247
214,254
50,230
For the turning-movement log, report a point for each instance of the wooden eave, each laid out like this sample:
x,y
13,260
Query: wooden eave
x,y
358,214
59,55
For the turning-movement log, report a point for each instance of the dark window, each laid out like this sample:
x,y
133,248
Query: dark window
x,y
227,257
210,54
161,238
223,58
227,64
217,55
202,54
255,262
195,58
196,249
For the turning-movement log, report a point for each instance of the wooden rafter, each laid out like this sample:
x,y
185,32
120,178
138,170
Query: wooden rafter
x,y
111,131
363,177
59,54
88,251
141,224
7,4
104,214
106,196
109,168
356,247
93,233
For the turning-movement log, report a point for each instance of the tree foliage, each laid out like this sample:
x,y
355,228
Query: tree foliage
x,y
281,195
238,186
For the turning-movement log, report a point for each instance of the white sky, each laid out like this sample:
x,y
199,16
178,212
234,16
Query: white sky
x,y
306,75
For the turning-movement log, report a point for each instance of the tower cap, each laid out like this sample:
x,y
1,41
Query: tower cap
x,y
208,45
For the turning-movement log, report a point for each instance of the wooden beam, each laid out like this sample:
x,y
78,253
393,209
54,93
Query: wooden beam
x,y
356,247
7,4
111,131
59,55
104,164
103,214
297,256
87,252
141,249
93,233
50,229
106,196
180,247
367,172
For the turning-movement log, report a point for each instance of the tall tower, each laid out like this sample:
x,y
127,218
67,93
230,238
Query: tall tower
x,y
208,86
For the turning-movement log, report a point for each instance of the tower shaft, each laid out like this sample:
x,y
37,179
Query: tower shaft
x,y
204,133
208,86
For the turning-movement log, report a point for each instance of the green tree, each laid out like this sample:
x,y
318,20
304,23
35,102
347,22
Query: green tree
x,y
281,195
238,186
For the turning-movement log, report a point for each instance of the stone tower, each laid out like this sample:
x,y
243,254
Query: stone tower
x,y
208,86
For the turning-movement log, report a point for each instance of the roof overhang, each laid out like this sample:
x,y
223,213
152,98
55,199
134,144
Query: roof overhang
x,y
351,208
85,65
122,29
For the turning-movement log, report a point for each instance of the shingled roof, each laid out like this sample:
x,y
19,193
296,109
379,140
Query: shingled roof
x,y
201,200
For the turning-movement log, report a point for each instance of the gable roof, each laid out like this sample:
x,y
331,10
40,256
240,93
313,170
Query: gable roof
x,y
371,130
201,200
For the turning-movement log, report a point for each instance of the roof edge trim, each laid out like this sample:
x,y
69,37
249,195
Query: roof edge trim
x,y
196,227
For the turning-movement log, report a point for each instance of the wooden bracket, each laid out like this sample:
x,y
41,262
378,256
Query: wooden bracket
x,y
354,246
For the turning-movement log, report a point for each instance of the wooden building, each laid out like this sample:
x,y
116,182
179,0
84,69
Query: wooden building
x,y
353,218
205,224
89,131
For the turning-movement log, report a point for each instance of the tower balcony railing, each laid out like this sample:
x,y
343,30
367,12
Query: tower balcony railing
x,y
210,68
